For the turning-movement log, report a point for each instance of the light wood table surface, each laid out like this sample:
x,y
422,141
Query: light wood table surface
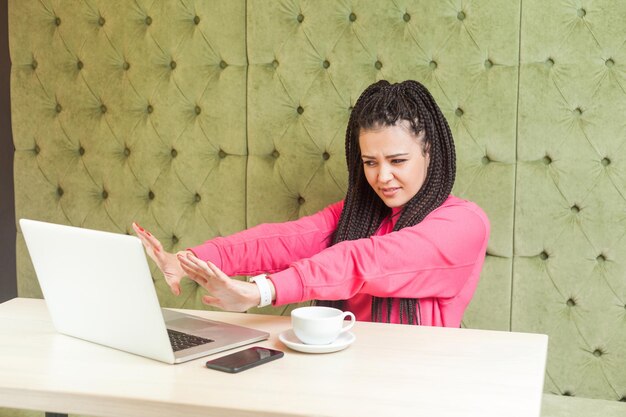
x,y
390,370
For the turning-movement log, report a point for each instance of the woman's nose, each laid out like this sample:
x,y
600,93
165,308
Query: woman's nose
x,y
385,174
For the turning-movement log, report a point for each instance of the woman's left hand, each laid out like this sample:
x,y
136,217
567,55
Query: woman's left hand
x,y
224,292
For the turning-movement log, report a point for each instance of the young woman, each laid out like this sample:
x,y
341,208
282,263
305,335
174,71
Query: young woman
x,y
399,248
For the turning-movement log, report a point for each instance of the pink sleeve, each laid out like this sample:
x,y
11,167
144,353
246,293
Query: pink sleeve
x,y
273,246
432,259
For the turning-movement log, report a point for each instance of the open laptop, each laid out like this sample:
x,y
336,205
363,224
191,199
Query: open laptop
x,y
97,286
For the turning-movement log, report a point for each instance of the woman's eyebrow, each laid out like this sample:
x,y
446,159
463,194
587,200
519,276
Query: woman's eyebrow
x,y
395,155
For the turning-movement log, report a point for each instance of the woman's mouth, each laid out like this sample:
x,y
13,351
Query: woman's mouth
x,y
390,191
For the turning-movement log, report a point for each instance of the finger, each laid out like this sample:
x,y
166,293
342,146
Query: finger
x,y
195,273
198,278
216,271
175,287
211,301
200,265
147,238
190,266
140,232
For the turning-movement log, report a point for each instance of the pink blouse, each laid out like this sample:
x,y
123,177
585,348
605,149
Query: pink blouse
x,y
437,261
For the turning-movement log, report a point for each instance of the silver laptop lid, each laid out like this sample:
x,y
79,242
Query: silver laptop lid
x,y
97,287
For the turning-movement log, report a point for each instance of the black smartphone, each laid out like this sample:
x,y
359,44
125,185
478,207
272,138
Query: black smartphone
x,y
244,359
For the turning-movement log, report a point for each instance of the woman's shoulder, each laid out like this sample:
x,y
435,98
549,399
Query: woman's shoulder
x,y
458,207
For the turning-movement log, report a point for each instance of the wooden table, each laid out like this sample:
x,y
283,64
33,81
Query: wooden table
x,y
391,370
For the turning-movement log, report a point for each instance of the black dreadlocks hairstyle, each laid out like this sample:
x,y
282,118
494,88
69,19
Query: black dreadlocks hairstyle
x,y
381,105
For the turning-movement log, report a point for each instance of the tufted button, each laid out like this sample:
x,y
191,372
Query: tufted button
x,y
105,194
459,112
174,153
150,195
378,65
623,399
58,108
197,198
60,191
198,110
223,64
174,239
568,394
36,149
34,64
275,64
406,17
326,64
609,62
101,21
126,152
605,162
601,258
79,65
488,64
461,15
57,21
149,109
546,160
578,112
275,153
300,18
173,64
148,20
549,62
432,65
581,12
571,302
126,66
597,353
196,20
544,256
222,154
81,151
326,156
352,17
301,200
575,209
103,108
485,160
300,110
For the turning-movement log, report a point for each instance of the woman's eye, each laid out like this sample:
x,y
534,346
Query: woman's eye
x,y
369,163
397,161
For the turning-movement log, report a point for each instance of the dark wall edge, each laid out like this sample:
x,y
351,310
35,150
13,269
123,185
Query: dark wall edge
x,y
8,277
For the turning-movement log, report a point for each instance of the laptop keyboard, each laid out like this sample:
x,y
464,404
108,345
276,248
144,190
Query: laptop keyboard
x,y
182,341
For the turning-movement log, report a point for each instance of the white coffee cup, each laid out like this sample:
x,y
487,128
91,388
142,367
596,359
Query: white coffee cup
x,y
319,325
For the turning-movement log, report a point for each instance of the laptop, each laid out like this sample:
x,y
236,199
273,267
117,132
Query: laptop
x,y
97,286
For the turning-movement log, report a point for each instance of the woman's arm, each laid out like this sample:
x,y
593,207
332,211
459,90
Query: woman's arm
x,y
273,246
431,259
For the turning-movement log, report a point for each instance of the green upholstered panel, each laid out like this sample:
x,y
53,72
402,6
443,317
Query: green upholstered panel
x,y
564,406
570,242
310,60
130,111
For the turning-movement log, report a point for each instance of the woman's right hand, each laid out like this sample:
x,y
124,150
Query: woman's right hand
x,y
167,262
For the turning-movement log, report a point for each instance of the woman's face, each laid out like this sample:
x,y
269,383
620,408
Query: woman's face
x,y
394,163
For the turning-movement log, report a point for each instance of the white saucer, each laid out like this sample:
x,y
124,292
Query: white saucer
x,y
291,341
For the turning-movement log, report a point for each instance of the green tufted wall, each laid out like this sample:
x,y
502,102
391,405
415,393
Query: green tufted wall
x,y
129,111
201,118
310,60
569,267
